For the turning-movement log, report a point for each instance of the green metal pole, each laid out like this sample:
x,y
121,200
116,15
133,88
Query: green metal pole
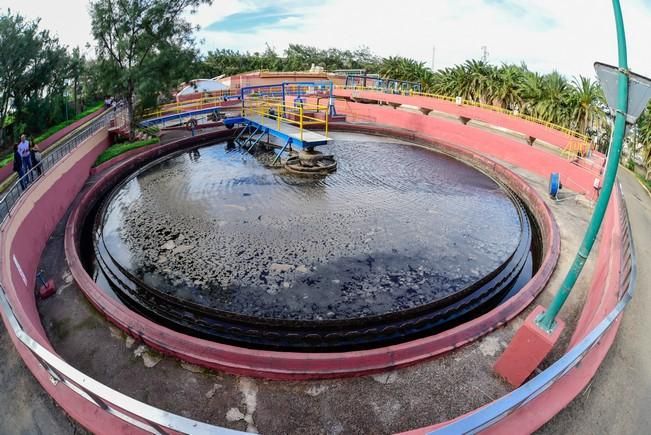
x,y
547,320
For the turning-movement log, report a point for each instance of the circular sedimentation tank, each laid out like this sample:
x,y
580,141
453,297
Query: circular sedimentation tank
x,y
399,243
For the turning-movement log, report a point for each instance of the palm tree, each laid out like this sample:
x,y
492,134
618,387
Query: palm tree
x,y
480,80
644,137
508,81
586,98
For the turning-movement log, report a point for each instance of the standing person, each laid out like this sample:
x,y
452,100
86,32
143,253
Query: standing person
x,y
25,155
18,166
35,154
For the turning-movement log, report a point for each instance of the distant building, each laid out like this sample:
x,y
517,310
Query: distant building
x,y
258,78
198,88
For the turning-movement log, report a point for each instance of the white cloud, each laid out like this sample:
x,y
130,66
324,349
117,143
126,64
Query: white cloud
x,y
566,35
68,19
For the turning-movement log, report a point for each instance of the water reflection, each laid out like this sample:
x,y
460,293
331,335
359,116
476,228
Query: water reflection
x,y
395,227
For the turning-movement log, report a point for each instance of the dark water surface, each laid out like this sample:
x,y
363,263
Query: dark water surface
x,y
397,226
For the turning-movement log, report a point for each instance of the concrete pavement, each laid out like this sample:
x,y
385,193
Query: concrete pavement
x,y
617,401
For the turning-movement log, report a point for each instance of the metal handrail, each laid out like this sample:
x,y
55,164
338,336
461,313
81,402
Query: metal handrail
x,y
14,192
157,421
280,112
492,413
179,106
137,413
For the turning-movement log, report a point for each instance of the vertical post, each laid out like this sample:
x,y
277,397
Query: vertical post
x,y
327,115
278,116
300,121
547,320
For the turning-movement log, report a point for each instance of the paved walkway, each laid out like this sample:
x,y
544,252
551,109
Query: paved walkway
x,y
617,401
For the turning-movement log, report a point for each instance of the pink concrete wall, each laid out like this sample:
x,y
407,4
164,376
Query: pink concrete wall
x,y
532,159
520,125
257,79
24,236
6,171
33,220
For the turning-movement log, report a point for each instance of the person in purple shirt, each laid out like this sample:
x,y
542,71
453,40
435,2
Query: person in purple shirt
x,y
25,155
18,167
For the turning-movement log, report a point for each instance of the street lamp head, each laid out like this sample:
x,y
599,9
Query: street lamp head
x,y
639,91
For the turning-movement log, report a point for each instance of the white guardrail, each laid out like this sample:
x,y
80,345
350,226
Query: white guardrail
x,y
157,421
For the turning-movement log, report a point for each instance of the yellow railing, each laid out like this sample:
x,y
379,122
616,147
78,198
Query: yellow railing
x,y
575,149
295,115
465,102
183,106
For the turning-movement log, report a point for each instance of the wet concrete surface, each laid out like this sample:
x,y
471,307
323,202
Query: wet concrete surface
x,y
394,401
218,227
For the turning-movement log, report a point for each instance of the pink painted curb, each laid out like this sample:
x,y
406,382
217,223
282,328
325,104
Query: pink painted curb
x,y
289,365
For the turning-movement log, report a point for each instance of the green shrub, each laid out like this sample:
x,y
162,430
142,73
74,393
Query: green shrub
x,y
6,160
116,150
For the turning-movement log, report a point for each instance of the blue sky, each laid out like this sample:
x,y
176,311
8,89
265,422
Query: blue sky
x,y
567,35
261,18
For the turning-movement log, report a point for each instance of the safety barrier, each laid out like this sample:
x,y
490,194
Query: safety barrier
x,y
202,102
300,114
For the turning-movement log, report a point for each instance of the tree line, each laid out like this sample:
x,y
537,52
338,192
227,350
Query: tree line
x,y
42,82
145,48
575,103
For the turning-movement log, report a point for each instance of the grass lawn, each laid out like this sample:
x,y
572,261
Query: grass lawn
x,y
647,183
116,150
6,160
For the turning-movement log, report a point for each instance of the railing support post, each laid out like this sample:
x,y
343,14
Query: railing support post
x,y
327,116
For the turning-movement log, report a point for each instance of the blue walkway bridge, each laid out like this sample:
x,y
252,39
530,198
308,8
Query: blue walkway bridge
x,y
288,111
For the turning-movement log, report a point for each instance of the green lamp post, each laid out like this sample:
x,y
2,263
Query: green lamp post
x,y
627,108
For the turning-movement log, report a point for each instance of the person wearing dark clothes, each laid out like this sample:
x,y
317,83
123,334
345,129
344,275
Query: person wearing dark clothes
x,y
18,167
35,154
